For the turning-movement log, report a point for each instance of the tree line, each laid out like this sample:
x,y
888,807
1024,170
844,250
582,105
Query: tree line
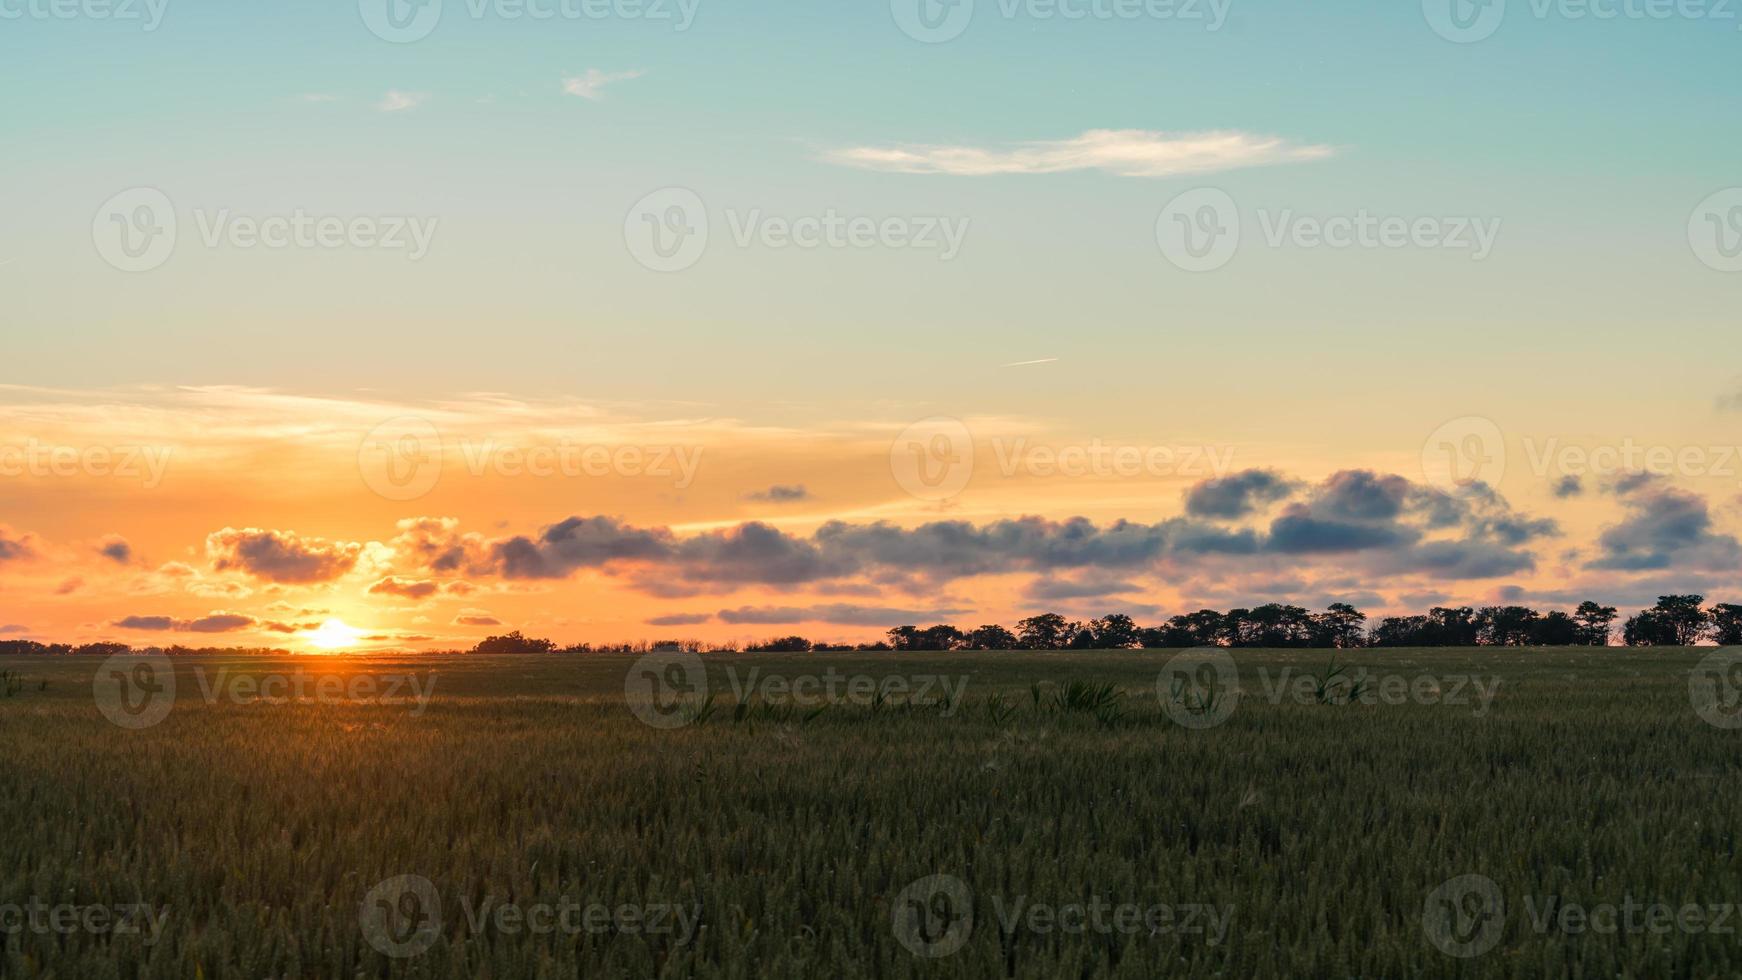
x,y
1676,620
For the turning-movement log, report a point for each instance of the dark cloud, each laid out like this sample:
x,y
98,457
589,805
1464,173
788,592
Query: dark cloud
x,y
835,614
413,589
1627,483
1237,495
1383,519
116,549
1047,589
1362,495
1568,486
474,617
214,623
758,553
579,542
680,619
15,546
779,494
1665,528
281,556
1300,533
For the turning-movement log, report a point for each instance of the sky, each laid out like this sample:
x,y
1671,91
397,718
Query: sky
x,y
618,319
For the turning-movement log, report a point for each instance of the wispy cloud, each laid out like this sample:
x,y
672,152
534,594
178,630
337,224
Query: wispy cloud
x,y
1038,360
592,84
397,101
1123,152
317,97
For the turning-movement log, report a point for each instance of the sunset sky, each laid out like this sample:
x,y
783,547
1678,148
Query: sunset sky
x,y
1000,389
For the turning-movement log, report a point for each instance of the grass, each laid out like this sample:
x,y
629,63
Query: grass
x,y
1323,822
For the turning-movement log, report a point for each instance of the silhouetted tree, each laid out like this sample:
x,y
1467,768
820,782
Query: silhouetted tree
x,y
1595,622
1340,625
1727,624
1505,626
514,643
1047,631
990,637
1556,629
1115,632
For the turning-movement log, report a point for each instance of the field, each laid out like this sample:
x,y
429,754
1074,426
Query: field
x,y
1040,815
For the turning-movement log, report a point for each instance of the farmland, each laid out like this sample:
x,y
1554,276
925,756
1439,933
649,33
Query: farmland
x,y
1027,814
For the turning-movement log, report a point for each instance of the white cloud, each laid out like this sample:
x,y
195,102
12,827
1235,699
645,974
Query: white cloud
x,y
396,101
592,84
1125,152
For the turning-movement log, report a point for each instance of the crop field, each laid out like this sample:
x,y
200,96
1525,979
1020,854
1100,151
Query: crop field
x,y
1462,812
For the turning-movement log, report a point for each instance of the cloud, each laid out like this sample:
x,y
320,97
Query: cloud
x,y
405,588
397,101
1092,587
592,84
214,623
476,617
1237,495
680,619
1665,528
13,629
1123,152
1568,486
15,546
116,549
1386,523
780,494
834,614
578,542
281,556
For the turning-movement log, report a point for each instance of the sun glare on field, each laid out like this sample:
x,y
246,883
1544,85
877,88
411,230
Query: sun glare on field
x,y
334,634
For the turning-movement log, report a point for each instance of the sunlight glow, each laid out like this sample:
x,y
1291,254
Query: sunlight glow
x,y
334,634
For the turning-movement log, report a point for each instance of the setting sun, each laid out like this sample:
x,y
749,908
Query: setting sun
x,y
334,634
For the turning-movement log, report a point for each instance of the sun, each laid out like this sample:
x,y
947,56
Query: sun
x,y
333,635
